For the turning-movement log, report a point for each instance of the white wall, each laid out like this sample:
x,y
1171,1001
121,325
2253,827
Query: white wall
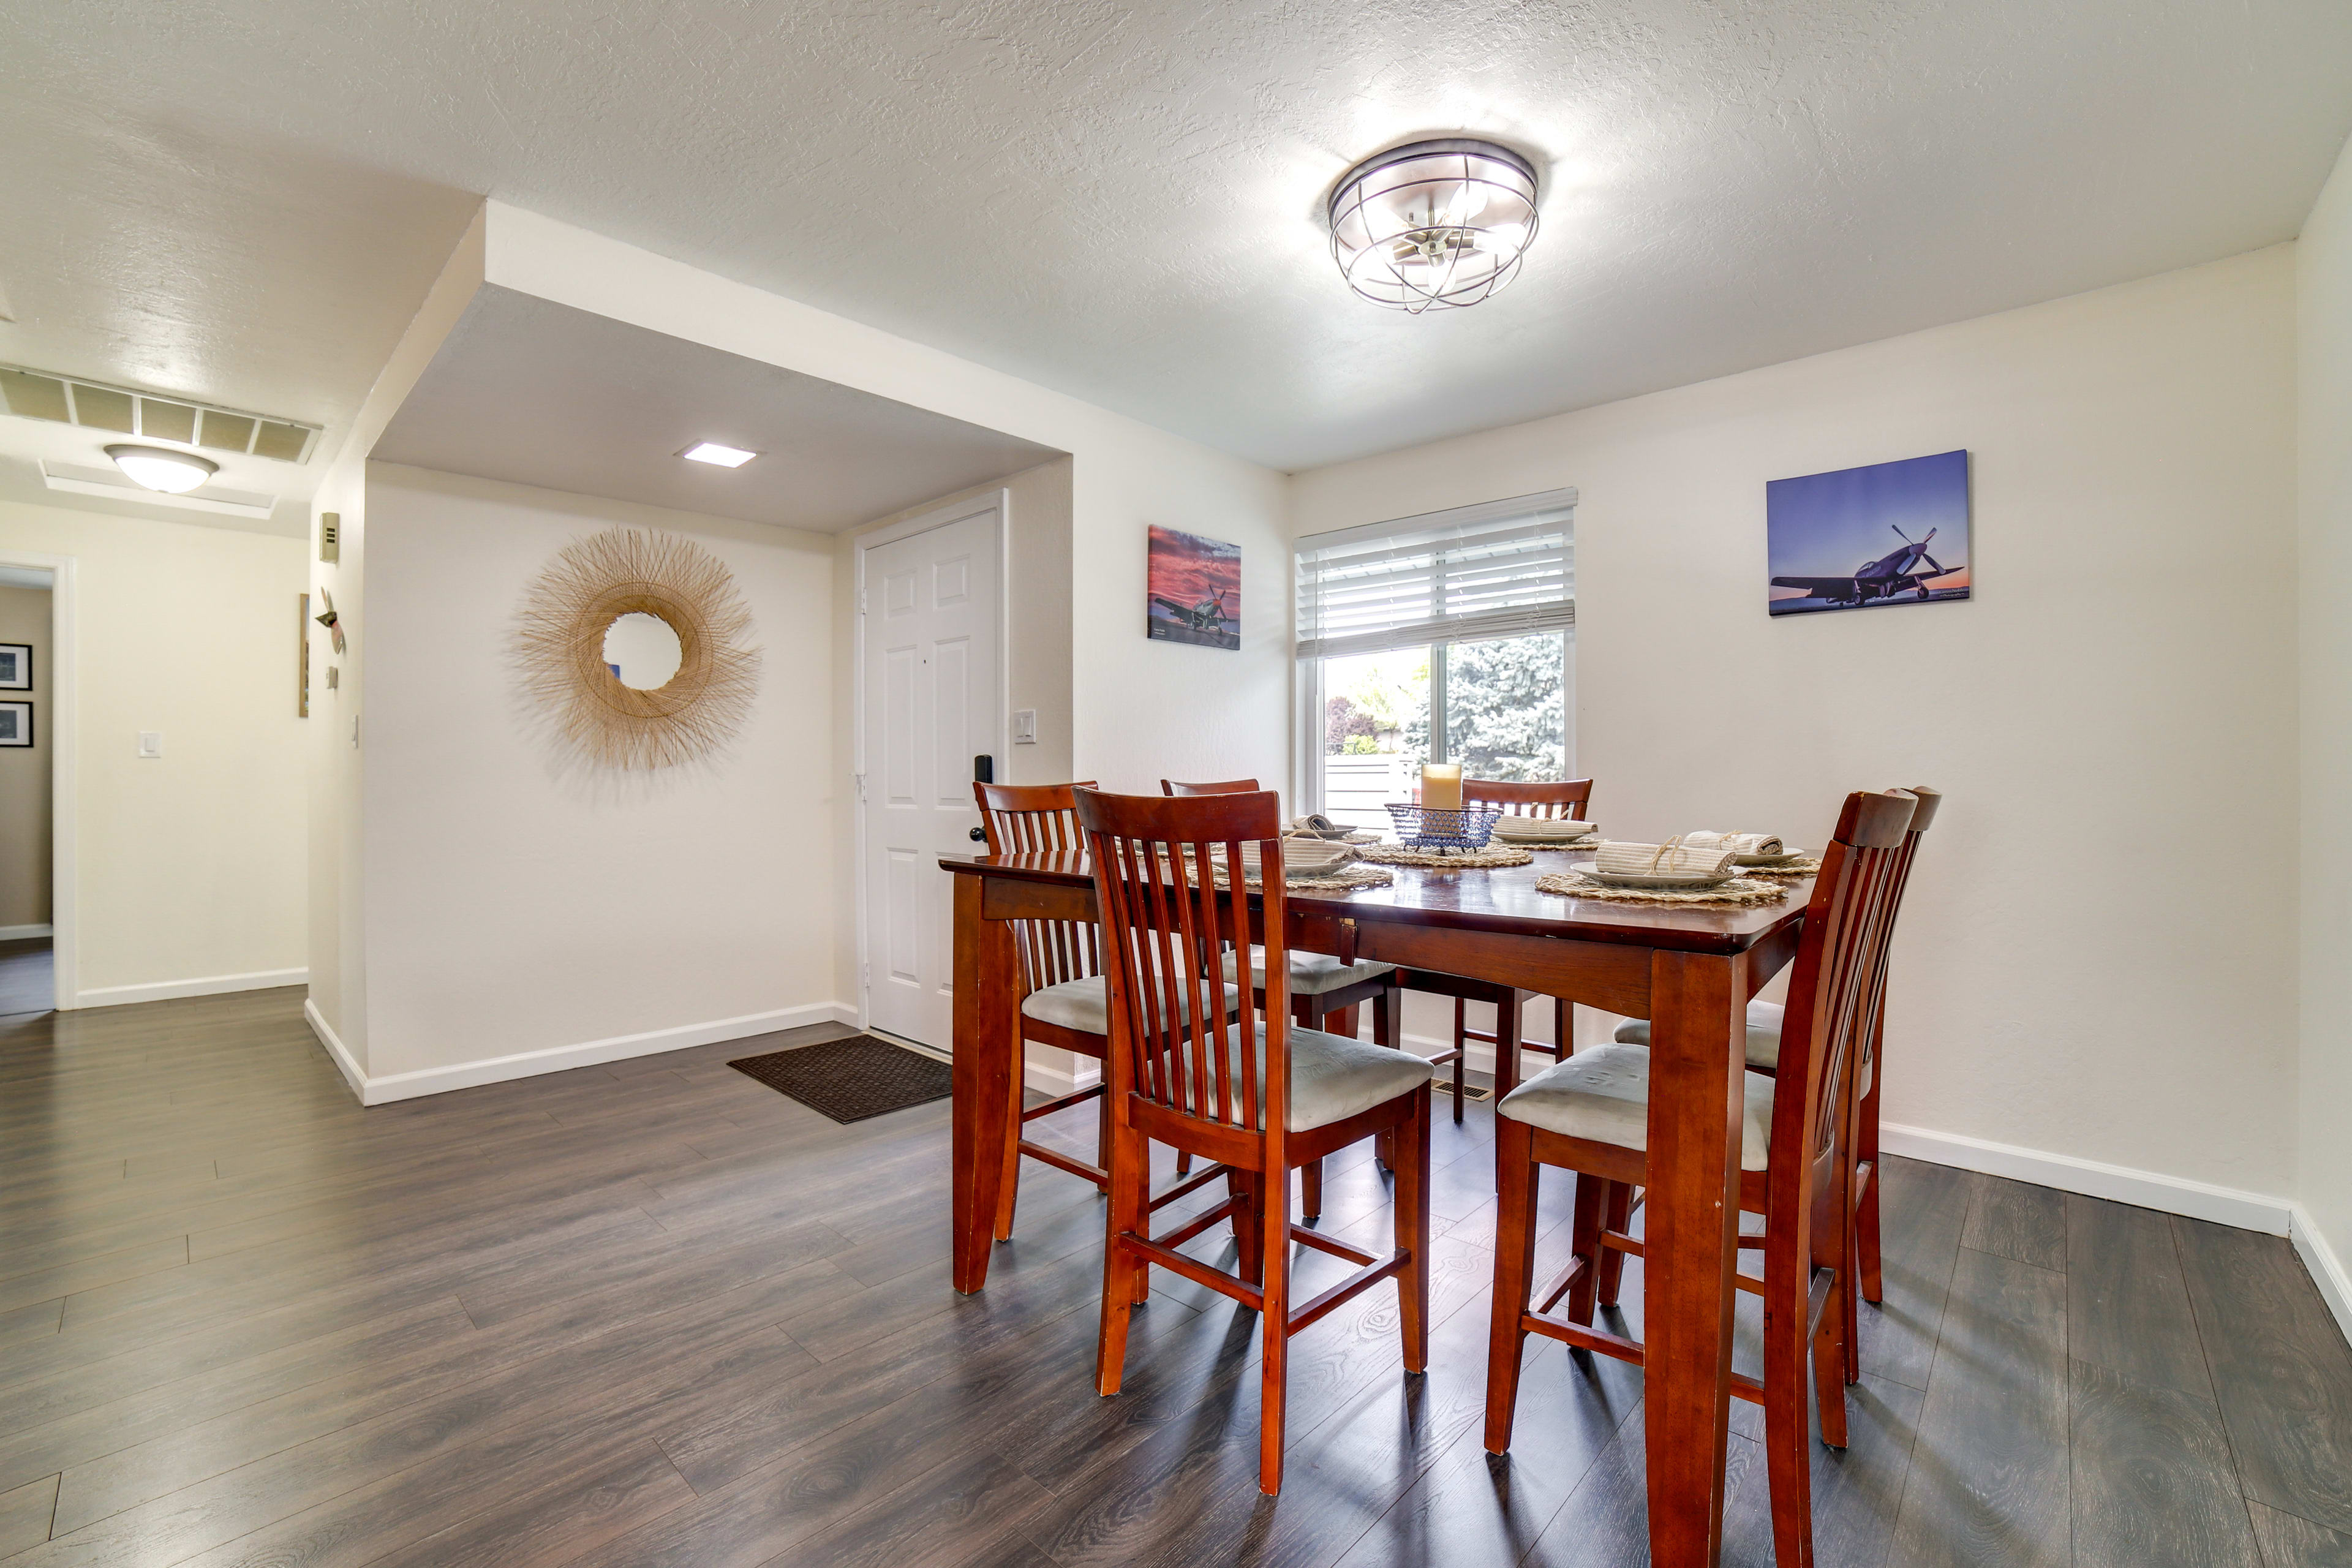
x,y
513,909
190,868
1140,710
2075,973
25,770
2323,361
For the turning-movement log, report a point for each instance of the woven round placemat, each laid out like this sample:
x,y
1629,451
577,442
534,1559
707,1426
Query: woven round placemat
x,y
1447,860
1805,865
1739,893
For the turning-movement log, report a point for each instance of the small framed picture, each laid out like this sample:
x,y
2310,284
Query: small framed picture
x,y
16,666
15,724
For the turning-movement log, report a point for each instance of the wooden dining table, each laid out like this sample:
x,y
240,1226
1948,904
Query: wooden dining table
x,y
1689,970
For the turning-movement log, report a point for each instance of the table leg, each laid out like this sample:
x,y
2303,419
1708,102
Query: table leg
x,y
987,1047
1697,1069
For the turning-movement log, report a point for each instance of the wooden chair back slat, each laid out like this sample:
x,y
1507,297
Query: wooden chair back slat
x,y
1921,814
1222,786
1567,798
1830,991
1174,939
1041,819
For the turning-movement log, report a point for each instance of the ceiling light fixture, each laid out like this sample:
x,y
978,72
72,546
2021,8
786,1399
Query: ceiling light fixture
x,y
722,457
174,473
1433,223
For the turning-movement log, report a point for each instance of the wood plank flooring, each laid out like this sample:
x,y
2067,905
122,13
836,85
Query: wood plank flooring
x,y
655,1313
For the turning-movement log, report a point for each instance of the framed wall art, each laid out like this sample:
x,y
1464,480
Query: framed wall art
x,y
1858,539
1193,590
15,724
16,666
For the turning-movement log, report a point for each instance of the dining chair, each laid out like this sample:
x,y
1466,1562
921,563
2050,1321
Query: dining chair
x,y
1590,1114
1260,1093
1564,799
1065,999
1320,987
1763,1048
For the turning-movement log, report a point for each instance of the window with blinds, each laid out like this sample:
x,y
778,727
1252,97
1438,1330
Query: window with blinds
x,y
1502,569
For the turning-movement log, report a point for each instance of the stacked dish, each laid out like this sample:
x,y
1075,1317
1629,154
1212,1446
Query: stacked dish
x,y
1543,832
1302,858
1672,865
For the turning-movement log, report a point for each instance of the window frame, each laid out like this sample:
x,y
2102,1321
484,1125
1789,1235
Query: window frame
x,y
1309,686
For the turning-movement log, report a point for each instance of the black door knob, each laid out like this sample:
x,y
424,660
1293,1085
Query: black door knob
x,y
979,836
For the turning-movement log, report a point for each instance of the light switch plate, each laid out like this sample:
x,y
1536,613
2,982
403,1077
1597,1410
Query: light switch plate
x,y
151,743
1025,726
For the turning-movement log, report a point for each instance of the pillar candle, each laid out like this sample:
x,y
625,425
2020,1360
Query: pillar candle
x,y
1441,785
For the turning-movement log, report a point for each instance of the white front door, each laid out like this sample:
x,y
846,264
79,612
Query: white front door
x,y
930,705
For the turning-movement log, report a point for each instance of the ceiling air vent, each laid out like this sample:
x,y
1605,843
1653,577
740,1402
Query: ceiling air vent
x,y
33,395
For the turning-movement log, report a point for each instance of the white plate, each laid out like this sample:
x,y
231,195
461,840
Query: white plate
x,y
1782,859
1522,835
1664,881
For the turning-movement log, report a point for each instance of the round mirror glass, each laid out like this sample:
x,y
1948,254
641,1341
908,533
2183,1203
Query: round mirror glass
x,y
642,651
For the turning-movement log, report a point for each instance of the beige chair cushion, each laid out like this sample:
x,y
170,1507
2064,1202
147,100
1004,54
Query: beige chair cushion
x,y
1763,1034
1313,973
1085,1005
1602,1096
1333,1077
1763,1038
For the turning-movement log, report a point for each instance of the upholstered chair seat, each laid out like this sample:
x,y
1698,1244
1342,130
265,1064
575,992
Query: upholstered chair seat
x,y
1602,1096
1313,973
1085,1005
1763,1034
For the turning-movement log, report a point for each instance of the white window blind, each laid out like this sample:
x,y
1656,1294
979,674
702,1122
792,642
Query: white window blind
x,y
1497,570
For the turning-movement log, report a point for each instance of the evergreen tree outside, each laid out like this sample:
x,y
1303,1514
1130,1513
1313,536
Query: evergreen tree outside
x,y
1503,714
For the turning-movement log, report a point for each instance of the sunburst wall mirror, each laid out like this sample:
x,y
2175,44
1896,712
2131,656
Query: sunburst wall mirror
x,y
634,647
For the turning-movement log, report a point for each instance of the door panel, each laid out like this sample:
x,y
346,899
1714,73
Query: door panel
x,y
930,637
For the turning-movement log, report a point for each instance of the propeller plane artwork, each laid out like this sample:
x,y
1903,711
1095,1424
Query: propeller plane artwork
x,y
1816,524
1207,615
1881,579
1193,588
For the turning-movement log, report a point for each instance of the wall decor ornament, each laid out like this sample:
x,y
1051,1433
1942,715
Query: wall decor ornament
x,y
560,650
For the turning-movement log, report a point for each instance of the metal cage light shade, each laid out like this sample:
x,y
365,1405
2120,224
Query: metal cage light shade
x,y
1439,223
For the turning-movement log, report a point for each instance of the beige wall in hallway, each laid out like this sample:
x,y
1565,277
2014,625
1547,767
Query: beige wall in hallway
x,y
191,868
25,771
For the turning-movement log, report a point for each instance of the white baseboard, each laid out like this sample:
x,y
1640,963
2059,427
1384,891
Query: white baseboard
x,y
2328,1270
209,985
336,1052
2091,1178
560,1059
19,934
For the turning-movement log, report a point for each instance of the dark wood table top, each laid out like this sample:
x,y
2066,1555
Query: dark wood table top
x,y
1503,900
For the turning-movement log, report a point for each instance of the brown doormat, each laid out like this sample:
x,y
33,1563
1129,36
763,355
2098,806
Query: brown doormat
x,y
852,1079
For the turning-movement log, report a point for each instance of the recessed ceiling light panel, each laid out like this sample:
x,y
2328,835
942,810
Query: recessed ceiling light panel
x,y
174,473
1440,223
713,453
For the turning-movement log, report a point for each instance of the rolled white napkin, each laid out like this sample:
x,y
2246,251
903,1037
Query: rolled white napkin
x,y
1737,843
1662,859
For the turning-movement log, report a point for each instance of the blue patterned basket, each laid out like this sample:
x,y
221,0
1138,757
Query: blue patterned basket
x,y
1438,827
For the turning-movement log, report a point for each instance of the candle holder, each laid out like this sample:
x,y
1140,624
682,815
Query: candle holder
x,y
1444,828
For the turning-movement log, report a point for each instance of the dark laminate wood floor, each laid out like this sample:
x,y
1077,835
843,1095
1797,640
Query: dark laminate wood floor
x,y
655,1313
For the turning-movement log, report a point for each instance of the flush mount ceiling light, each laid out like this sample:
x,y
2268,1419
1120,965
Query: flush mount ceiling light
x,y
1441,223
722,457
174,473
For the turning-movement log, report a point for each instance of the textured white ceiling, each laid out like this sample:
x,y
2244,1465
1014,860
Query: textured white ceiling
x,y
1121,201
541,393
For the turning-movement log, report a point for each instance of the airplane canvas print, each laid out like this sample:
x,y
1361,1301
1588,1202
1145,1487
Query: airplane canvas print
x,y
1892,533
1195,588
